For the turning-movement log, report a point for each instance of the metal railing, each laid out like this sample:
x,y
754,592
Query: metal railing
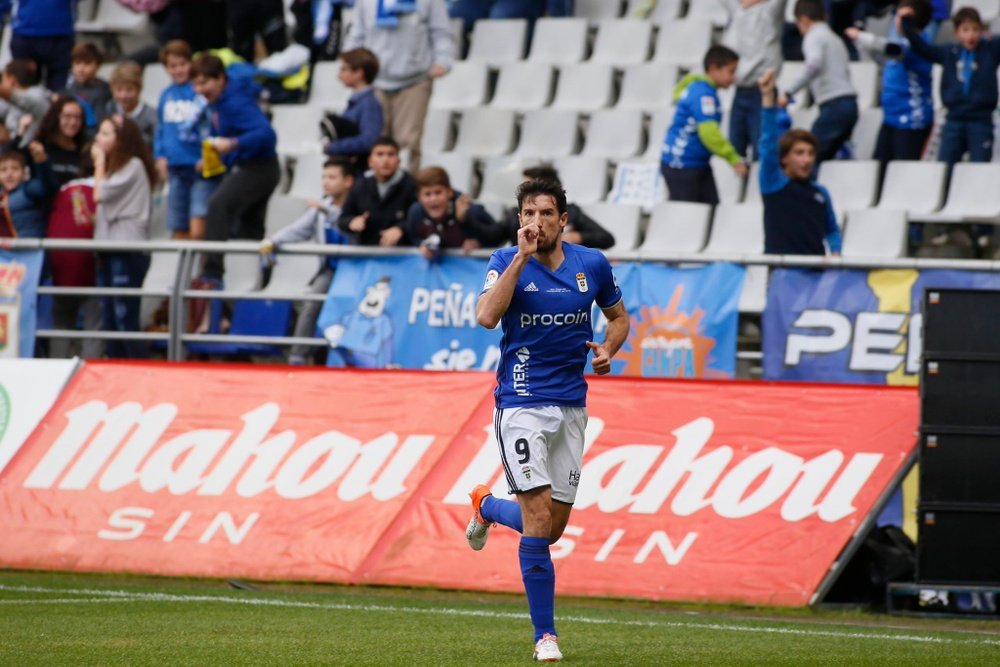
x,y
179,292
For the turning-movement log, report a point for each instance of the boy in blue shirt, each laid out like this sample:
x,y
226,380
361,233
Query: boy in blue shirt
x,y
355,131
907,103
695,133
968,83
24,203
798,212
177,148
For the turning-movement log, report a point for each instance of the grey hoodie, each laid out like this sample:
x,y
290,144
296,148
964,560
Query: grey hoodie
x,y
407,51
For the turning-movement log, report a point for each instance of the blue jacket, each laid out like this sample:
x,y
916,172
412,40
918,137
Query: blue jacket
x,y
236,114
43,18
694,135
28,203
174,140
364,110
973,100
798,215
907,100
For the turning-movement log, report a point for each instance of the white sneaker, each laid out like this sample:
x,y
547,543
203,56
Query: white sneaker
x,y
479,529
547,649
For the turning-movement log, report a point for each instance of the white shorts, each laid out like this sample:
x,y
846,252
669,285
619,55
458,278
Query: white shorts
x,y
541,446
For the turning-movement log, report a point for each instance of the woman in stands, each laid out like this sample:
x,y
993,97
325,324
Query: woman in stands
x,y
124,175
62,134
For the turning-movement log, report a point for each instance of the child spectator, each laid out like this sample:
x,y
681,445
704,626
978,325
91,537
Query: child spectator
x,y
580,228
62,135
377,205
43,31
828,78
123,179
754,33
694,135
907,104
968,83
84,84
318,225
126,87
22,98
243,136
360,125
444,218
177,148
798,212
24,203
72,217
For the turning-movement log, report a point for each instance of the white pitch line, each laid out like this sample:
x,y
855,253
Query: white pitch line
x,y
99,595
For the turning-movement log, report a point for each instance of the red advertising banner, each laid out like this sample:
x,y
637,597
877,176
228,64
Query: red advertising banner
x,y
690,490
264,473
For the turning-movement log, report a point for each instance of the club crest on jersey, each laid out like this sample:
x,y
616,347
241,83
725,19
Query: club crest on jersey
x,y
491,278
581,281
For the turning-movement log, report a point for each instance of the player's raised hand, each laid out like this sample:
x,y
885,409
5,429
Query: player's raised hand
x,y
527,239
601,363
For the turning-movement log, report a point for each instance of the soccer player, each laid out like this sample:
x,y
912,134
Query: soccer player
x,y
542,291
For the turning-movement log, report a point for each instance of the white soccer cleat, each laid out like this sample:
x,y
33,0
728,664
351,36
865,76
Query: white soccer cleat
x,y
547,649
479,529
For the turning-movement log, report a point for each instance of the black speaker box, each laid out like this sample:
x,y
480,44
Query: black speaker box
x,y
960,468
958,545
960,392
962,322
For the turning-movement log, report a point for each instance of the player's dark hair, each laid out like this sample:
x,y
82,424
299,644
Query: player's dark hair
x,y
922,11
543,172
967,15
719,56
534,187
810,9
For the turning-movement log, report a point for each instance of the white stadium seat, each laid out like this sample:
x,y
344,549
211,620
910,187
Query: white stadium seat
x,y
307,177
596,10
584,87
498,41
622,42
737,229
282,210
464,87
711,10
853,184
621,220
663,11
727,182
875,233
522,86
501,176
438,131
297,127
460,168
154,81
559,41
485,132
585,178
327,91
972,195
684,42
916,187
866,133
614,134
677,227
649,87
548,133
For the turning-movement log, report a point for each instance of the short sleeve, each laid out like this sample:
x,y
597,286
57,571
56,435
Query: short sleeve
x,y
608,293
496,266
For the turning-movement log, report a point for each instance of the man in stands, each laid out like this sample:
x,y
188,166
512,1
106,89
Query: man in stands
x,y
538,290
376,208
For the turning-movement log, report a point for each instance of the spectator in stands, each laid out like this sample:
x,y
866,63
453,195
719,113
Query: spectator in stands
x,y
43,32
123,179
250,19
580,228
694,134
968,83
93,92
798,212
62,134
317,225
353,132
242,134
907,104
377,205
22,97
72,217
126,89
177,147
414,46
828,78
24,202
754,33
444,218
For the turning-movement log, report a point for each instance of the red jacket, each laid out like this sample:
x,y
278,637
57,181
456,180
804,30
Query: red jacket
x,y
72,217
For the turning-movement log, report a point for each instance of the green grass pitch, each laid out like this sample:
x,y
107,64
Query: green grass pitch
x,y
60,619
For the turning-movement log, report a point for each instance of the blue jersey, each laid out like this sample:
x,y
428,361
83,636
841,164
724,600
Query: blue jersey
x,y
547,325
697,103
906,89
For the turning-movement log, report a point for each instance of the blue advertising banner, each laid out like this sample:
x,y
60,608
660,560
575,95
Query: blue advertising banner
x,y
850,325
20,271
405,312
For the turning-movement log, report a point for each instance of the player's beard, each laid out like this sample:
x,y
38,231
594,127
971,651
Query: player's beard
x,y
548,247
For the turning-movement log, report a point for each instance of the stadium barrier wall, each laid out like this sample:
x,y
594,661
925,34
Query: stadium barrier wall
x,y
690,490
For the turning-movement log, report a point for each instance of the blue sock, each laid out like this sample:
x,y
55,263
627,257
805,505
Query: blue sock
x,y
539,583
505,512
